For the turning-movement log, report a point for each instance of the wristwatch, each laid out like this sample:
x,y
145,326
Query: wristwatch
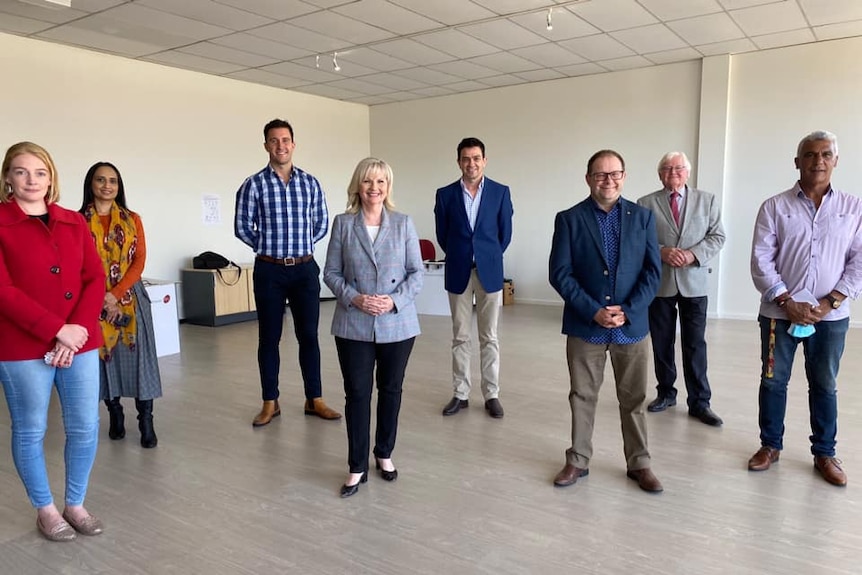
x,y
833,301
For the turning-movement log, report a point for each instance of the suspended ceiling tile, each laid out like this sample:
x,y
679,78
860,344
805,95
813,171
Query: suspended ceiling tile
x,y
706,29
609,15
769,18
388,16
601,47
653,38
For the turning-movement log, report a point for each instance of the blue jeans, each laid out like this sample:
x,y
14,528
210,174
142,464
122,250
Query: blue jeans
x,y
27,385
299,285
823,352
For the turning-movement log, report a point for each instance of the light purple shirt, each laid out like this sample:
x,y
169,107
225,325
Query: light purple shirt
x,y
799,247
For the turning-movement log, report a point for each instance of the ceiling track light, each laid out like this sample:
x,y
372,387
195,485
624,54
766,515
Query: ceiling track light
x,y
335,65
550,25
317,61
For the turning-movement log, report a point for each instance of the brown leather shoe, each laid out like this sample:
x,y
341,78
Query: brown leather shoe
x,y
763,459
269,410
569,474
830,469
646,480
320,409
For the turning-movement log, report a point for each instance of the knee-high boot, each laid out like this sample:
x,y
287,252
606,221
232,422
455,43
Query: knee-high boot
x,y
117,427
145,423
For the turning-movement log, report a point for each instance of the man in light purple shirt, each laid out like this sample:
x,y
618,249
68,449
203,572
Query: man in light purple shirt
x,y
806,259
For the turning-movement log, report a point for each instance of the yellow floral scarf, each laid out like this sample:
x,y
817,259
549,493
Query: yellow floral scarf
x,y
116,246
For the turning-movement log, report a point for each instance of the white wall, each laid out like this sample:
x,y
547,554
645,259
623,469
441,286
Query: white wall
x,y
175,135
746,113
777,97
538,139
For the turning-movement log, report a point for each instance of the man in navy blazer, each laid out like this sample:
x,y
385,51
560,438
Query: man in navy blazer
x,y
474,227
605,264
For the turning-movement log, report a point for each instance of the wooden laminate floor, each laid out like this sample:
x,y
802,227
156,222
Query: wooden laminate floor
x,y
474,495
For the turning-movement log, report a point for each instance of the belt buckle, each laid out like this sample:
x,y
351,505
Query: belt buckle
x,y
288,261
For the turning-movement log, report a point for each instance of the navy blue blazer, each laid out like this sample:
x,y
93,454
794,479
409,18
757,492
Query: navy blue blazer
x,y
486,243
578,269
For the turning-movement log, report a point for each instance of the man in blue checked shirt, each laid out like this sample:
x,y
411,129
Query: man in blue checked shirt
x,y
281,213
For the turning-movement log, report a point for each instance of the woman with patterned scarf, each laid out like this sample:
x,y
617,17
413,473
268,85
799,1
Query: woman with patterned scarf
x,y
129,367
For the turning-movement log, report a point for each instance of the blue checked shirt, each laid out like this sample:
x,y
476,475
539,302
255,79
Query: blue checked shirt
x,y
609,228
281,220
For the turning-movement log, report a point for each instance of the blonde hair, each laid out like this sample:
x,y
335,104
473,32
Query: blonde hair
x,y
363,168
20,149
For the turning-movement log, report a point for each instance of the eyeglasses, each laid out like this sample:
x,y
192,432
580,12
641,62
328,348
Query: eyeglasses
x,y
602,176
675,169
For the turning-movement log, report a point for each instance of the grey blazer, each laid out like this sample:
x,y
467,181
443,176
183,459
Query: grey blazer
x,y
701,232
392,266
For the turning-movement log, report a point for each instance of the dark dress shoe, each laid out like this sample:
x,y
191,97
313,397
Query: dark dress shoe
x,y
660,404
830,469
707,416
386,475
455,405
348,490
494,408
764,458
568,475
646,480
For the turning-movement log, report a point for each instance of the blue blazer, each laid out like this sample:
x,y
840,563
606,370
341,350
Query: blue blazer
x,y
579,272
391,266
485,244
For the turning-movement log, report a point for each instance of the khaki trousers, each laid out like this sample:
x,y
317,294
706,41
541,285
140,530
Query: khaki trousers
x,y
487,315
586,372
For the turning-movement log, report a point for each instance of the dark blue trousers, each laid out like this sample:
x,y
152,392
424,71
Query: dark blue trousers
x,y
299,285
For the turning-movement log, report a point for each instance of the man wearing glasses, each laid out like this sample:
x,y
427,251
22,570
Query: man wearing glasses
x,y
605,264
690,234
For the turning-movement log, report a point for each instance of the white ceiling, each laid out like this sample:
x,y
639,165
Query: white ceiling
x,y
396,50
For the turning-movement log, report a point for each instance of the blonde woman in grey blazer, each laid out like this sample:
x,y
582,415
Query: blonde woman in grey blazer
x,y
374,268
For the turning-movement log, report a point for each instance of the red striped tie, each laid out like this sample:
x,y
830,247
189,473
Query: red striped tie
x,y
674,207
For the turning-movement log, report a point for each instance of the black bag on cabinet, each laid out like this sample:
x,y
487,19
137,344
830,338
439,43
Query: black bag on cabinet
x,y
217,262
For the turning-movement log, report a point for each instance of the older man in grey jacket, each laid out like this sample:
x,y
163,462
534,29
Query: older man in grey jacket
x,y
690,234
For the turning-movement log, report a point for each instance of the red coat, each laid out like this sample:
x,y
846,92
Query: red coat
x,y
49,276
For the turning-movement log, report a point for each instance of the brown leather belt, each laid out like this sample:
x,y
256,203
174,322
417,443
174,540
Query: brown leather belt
x,y
286,261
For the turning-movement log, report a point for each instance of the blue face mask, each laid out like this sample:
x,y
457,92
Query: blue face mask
x,y
800,331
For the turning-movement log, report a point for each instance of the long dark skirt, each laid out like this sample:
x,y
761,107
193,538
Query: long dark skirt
x,y
134,372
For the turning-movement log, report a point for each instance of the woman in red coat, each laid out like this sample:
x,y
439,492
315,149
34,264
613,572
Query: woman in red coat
x,y
51,292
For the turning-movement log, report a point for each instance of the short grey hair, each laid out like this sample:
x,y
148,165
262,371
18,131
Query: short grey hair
x,y
667,157
816,136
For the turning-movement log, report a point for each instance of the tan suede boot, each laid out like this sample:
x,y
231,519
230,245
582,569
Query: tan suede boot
x,y
320,409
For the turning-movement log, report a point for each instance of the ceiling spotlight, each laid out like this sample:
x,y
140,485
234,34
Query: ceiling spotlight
x,y
335,65
550,25
317,61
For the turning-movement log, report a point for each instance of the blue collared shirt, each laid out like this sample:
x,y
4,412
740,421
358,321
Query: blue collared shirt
x,y
609,228
278,219
471,204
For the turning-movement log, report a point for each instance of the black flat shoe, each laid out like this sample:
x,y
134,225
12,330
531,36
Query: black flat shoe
x,y
348,490
386,475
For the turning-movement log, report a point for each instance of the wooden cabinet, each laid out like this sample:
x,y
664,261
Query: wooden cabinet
x,y
213,298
